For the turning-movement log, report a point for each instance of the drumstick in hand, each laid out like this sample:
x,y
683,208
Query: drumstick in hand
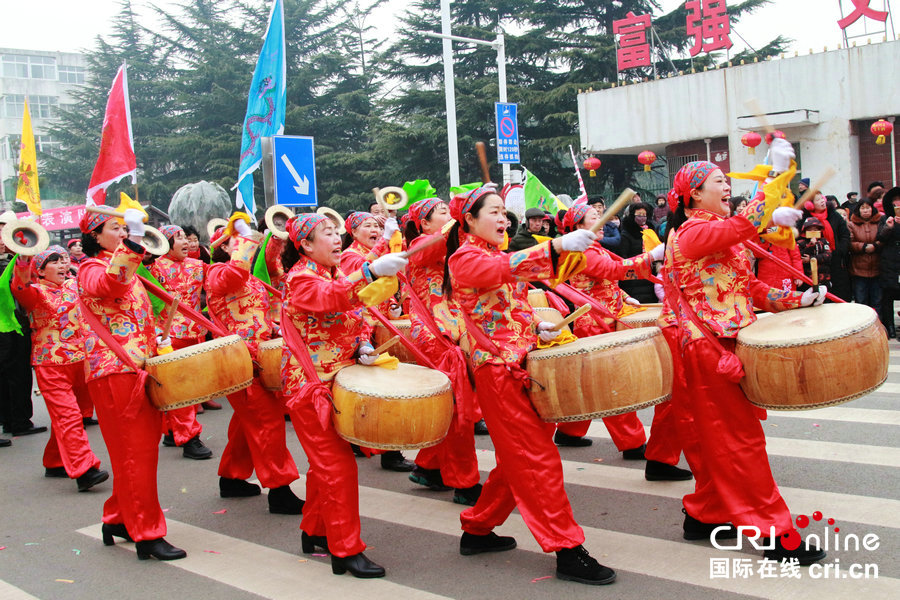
x,y
571,317
814,269
754,107
481,149
620,203
377,351
173,310
817,185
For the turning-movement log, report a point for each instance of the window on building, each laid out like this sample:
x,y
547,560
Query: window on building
x,y
15,66
69,74
42,67
13,106
46,144
43,107
676,162
29,67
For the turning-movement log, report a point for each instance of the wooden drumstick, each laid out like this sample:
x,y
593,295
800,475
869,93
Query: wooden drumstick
x,y
377,351
220,241
435,238
620,203
173,310
481,149
577,313
105,210
754,107
814,270
815,187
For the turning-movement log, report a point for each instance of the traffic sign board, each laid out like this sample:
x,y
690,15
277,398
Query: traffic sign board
x,y
295,170
507,133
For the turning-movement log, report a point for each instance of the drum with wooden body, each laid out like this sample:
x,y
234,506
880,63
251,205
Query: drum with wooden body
x,y
551,315
538,299
382,334
269,359
643,318
401,409
601,376
199,373
813,357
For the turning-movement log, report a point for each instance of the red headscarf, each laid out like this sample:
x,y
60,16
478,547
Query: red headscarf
x,y
690,177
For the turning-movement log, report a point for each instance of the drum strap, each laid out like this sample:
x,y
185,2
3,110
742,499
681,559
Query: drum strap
x,y
322,400
423,312
577,296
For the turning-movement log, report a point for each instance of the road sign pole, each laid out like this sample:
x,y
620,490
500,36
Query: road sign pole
x,y
500,45
450,94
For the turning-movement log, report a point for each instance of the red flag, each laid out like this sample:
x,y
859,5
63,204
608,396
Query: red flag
x,y
116,158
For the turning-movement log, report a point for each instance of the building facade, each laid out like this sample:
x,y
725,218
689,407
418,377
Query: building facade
x,y
824,102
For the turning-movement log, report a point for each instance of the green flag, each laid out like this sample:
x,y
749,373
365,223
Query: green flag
x,y
538,196
158,305
260,268
464,188
419,189
8,320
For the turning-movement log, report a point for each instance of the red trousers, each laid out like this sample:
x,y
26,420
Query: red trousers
x,y
130,427
735,481
455,456
626,430
528,475
332,486
256,439
182,422
65,393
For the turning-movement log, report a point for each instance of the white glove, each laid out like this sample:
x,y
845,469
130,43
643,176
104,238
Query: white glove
x,y
577,241
785,216
163,342
544,331
632,301
242,227
813,296
780,155
390,227
659,252
366,355
134,219
387,265
396,311
823,291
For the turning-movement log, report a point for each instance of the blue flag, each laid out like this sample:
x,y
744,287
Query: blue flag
x,y
265,105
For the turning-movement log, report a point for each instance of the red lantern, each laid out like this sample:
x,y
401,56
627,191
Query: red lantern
x,y
881,128
592,164
775,134
647,158
751,139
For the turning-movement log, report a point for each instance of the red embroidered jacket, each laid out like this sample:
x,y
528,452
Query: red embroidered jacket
x,y
184,277
426,278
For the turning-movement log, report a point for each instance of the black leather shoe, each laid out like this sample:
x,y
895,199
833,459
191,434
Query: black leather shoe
x,y
169,440
159,549
5,443
88,421
91,477
660,471
481,428
804,554
358,565
28,431
430,478
634,453
564,439
471,544
357,451
212,405
195,449
393,460
467,496
283,501
55,472
111,530
698,530
575,564
309,543
237,488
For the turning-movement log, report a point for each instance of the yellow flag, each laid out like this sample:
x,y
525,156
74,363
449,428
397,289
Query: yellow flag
x,y
28,191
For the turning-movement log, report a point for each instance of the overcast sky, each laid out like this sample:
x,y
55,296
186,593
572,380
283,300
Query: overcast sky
x,y
72,25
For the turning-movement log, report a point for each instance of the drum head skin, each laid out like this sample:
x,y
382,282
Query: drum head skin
x,y
807,325
407,381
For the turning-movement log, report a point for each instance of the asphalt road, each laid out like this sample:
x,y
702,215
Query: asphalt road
x,y
842,461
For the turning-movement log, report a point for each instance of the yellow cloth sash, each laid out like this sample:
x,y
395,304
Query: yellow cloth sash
x,y
379,290
565,337
628,309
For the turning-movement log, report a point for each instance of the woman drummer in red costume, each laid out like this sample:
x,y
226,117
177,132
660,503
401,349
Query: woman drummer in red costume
x,y
129,423
57,354
488,284
322,311
707,272
452,462
600,280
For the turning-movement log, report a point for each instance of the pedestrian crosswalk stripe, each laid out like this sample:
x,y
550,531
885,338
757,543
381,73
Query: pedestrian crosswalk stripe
x,y
11,592
847,413
888,388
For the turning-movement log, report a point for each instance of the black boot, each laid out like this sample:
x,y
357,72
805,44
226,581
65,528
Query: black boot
x,y
114,529
430,478
481,428
564,439
91,477
467,496
159,549
634,453
660,471
575,564
169,440
804,554
195,449
357,451
237,488
393,460
283,501
309,543
88,421
698,530
358,565
471,544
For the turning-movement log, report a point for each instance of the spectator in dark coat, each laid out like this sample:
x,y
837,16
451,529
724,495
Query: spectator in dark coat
x,y
838,235
633,224
865,251
533,225
889,264
814,245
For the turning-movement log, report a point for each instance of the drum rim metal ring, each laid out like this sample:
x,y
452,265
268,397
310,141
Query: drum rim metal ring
x,y
382,446
609,413
845,399
447,387
194,350
198,399
274,343
801,343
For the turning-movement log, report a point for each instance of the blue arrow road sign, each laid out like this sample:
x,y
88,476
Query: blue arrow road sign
x,y
295,170
507,133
